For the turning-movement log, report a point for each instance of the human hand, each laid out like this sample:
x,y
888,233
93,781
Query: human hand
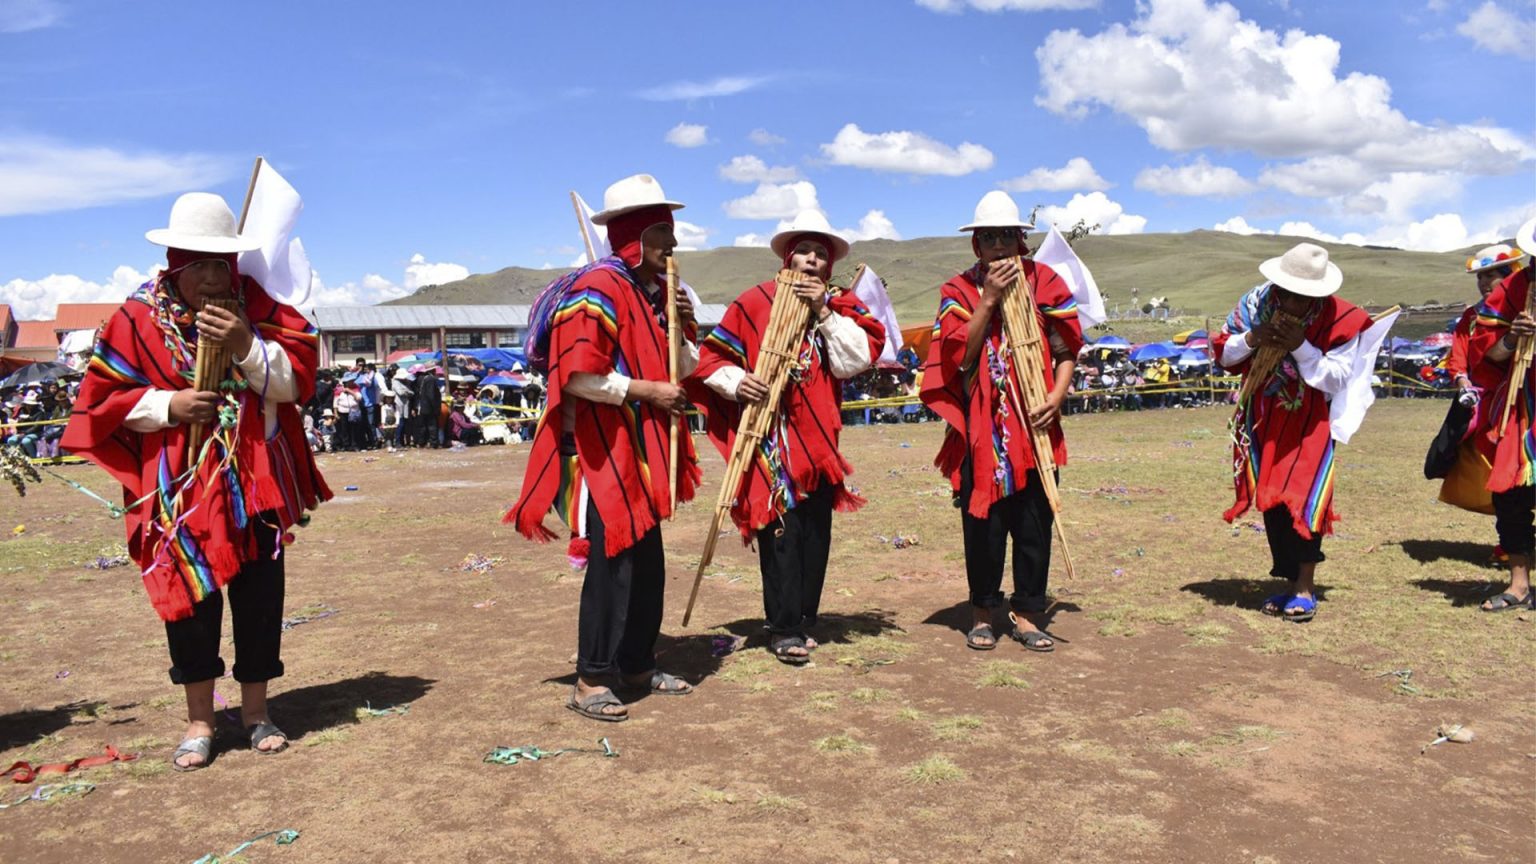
x,y
661,394
225,328
813,291
1001,276
1042,417
685,310
751,389
194,406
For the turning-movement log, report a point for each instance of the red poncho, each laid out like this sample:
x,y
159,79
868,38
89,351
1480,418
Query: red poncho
x,y
801,453
1513,453
986,422
141,348
1289,453
1457,361
604,324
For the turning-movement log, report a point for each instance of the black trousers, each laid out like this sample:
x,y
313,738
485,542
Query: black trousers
x,y
256,614
793,556
1287,550
1513,519
621,603
1025,516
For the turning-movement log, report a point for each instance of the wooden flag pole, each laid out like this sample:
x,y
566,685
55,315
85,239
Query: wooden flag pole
x,y
674,352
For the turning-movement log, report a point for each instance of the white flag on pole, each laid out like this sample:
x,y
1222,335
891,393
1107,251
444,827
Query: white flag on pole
x,y
280,264
592,234
870,289
1058,255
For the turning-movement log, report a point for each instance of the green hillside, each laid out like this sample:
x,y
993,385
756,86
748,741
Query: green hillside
x,y
1201,272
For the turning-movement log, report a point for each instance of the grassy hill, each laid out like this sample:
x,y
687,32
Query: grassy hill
x,y
1201,272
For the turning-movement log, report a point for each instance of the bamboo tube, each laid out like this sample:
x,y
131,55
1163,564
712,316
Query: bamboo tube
x,y
1519,365
674,352
787,321
211,366
1026,345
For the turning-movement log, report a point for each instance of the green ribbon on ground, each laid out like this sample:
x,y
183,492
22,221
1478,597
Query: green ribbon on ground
x,y
284,837
49,791
514,755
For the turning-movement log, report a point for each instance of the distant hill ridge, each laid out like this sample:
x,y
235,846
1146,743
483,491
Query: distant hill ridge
x,y
1200,272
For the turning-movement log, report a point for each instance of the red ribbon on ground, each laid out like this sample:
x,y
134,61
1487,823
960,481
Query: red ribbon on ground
x,y
24,772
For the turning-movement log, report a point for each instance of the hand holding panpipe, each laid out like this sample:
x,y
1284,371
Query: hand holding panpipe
x,y
213,360
1265,360
787,320
1027,346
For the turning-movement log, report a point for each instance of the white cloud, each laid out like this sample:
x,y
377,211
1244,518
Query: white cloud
x,y
1396,198
764,138
1078,173
955,7
904,152
774,201
1499,31
690,237
1194,75
1442,232
750,169
37,299
687,91
1093,208
42,175
753,240
1238,225
368,291
1198,179
420,272
688,135
874,226
19,16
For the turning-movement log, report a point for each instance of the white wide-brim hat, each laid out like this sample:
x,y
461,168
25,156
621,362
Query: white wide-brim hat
x,y
1491,257
996,209
809,222
1525,238
630,194
1304,270
202,222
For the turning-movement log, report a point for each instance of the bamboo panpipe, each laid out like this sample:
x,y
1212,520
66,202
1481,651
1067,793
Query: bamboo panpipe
x,y
1519,365
674,350
212,365
787,321
1026,344
1264,361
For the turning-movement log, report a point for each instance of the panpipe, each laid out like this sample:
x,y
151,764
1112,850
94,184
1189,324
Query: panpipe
x,y
674,350
786,328
212,367
1264,362
1027,346
1519,364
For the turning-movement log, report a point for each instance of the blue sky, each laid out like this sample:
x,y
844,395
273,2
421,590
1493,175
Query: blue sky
x,y
432,140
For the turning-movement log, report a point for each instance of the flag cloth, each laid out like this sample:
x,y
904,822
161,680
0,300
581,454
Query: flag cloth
x,y
592,234
279,266
870,289
1057,254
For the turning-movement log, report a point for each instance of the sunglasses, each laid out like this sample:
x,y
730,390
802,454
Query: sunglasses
x,y
997,236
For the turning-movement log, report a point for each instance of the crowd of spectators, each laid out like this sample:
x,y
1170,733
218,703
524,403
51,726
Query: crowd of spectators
x,y
25,407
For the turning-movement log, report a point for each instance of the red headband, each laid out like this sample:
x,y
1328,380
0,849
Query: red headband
x,y
815,237
624,230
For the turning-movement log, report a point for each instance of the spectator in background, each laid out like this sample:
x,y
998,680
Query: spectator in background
x,y
369,393
348,416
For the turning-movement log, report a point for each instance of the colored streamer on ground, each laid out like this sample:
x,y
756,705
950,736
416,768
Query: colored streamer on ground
x,y
515,755
49,791
284,838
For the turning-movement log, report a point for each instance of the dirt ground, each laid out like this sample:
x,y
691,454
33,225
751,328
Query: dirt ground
x,y
1173,723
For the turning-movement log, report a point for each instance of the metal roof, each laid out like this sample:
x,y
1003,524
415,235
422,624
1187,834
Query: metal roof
x,y
395,318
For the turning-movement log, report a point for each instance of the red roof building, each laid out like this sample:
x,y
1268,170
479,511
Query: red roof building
x,y
82,316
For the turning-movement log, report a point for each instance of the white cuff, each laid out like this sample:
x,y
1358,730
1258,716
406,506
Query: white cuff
x,y
688,361
152,413
610,389
1307,353
726,381
1236,350
847,346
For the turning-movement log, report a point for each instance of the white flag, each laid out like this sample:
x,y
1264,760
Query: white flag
x,y
1346,410
280,264
591,233
1058,255
870,290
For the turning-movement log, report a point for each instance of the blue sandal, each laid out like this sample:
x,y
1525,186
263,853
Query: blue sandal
x,y
1276,605
1306,609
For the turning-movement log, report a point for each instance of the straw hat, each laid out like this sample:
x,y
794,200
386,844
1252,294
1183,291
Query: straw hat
x,y
630,194
997,210
1304,270
327,413
1525,238
202,222
809,222
1490,257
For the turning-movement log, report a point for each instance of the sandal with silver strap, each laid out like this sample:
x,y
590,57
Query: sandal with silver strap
x,y
198,745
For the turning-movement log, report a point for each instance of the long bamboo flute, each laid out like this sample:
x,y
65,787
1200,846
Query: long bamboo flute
x,y
787,321
674,350
1518,366
1026,344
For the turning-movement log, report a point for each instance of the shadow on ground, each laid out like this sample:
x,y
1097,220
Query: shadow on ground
x,y
1428,551
1245,593
24,727
1462,592
322,706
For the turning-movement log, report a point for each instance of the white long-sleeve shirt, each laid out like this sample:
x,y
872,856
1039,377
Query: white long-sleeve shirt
x,y
267,370
1328,371
848,354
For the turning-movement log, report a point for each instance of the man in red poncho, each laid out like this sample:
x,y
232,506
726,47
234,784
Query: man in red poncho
x,y
1504,326
988,454
796,477
599,456
200,521
1317,395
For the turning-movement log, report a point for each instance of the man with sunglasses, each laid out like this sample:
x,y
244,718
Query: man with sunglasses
x,y
970,381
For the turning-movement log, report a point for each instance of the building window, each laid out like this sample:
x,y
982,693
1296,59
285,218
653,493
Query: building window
x,y
349,345
413,341
466,340
509,338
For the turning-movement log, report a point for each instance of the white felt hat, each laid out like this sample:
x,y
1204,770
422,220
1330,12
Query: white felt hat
x,y
1304,270
632,193
997,210
202,222
809,222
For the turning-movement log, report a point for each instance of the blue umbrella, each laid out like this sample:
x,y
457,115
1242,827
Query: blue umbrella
x,y
1154,351
1192,357
1111,339
502,381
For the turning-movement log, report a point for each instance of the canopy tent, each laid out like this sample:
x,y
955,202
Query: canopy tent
x,y
1191,357
1110,340
1200,344
917,338
1153,351
1188,335
1438,340
514,380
